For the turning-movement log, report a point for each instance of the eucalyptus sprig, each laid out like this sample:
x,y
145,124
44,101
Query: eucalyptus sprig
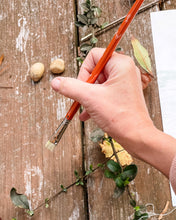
x,y
90,18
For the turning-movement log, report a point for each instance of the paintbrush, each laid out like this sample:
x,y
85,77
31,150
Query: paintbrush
x,y
55,138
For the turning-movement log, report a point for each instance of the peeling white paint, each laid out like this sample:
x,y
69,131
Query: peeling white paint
x,y
75,214
22,38
28,174
61,109
3,16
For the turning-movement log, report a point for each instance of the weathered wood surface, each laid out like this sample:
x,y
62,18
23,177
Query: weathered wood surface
x,y
38,31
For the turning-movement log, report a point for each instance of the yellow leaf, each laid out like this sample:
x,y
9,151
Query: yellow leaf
x,y
141,55
124,157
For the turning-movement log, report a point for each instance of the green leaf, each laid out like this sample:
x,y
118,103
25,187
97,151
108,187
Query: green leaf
x,y
93,40
96,135
132,202
97,11
46,203
30,212
79,59
91,167
118,49
144,216
90,14
109,174
93,20
104,25
19,200
79,24
14,219
88,2
114,167
81,183
118,192
63,188
82,19
141,55
137,208
100,165
119,182
129,173
76,173
85,47
85,6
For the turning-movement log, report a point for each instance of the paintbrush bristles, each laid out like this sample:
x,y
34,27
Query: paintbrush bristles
x,y
50,146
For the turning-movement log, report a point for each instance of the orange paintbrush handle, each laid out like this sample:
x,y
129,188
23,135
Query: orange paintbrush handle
x,y
108,53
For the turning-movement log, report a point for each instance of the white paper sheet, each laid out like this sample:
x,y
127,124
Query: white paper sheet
x,y
164,39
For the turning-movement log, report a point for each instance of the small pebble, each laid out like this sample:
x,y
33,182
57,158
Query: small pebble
x,y
36,72
57,66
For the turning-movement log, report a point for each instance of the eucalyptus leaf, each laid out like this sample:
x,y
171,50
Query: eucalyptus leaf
x,y
79,24
104,25
93,40
85,47
129,173
96,135
19,200
90,14
88,2
97,11
85,6
141,55
114,167
93,20
79,59
82,19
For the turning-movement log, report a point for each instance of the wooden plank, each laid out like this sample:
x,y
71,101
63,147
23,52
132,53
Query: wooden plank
x,y
150,186
171,4
37,31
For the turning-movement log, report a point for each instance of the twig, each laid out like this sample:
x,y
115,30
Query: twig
x,y
164,211
118,21
114,151
6,87
1,58
3,69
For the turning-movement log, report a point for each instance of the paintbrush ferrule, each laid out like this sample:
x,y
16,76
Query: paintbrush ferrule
x,y
55,138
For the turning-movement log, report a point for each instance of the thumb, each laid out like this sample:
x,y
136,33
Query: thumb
x,y
72,88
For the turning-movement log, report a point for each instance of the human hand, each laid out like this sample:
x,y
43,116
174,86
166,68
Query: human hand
x,y
115,102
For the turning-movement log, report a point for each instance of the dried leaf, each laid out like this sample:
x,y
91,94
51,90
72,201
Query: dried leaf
x,y
124,157
146,79
19,200
1,58
141,55
164,211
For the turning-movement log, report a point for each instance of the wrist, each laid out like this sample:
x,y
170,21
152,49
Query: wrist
x,y
155,148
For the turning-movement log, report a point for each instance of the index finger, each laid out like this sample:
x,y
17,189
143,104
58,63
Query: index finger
x,y
89,63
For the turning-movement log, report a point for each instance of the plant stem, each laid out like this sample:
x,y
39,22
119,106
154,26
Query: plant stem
x,y
114,151
119,20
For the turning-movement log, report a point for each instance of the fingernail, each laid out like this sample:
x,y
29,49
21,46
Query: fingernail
x,y
55,83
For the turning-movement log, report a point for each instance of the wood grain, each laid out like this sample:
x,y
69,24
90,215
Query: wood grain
x,y
37,31
40,31
150,186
